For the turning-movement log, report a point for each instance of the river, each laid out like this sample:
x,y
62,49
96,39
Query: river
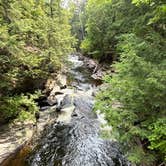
x,y
74,138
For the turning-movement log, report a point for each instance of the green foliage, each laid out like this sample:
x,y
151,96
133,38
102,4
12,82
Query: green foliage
x,y
22,106
78,21
138,88
34,41
134,103
158,135
108,19
96,41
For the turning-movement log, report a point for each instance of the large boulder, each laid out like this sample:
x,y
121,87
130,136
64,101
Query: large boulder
x,y
55,90
52,89
91,64
52,100
50,84
98,75
62,81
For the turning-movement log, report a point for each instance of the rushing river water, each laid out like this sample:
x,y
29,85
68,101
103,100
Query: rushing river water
x,y
76,142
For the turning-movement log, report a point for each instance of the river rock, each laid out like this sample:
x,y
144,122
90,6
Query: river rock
x,y
91,64
15,136
64,101
67,101
66,114
62,81
50,84
55,90
52,100
65,108
98,75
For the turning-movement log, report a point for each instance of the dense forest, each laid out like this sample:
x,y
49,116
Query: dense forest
x,y
34,39
129,35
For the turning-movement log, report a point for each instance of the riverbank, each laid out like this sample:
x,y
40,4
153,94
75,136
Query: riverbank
x,y
67,102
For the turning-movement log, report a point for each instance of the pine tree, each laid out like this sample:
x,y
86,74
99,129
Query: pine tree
x,y
133,33
35,39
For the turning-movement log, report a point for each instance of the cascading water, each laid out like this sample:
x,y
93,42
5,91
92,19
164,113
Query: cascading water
x,y
77,143
73,138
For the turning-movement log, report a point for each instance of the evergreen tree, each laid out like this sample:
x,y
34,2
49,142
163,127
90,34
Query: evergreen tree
x,y
35,37
133,33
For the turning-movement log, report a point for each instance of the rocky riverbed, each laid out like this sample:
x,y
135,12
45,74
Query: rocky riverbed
x,y
69,129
